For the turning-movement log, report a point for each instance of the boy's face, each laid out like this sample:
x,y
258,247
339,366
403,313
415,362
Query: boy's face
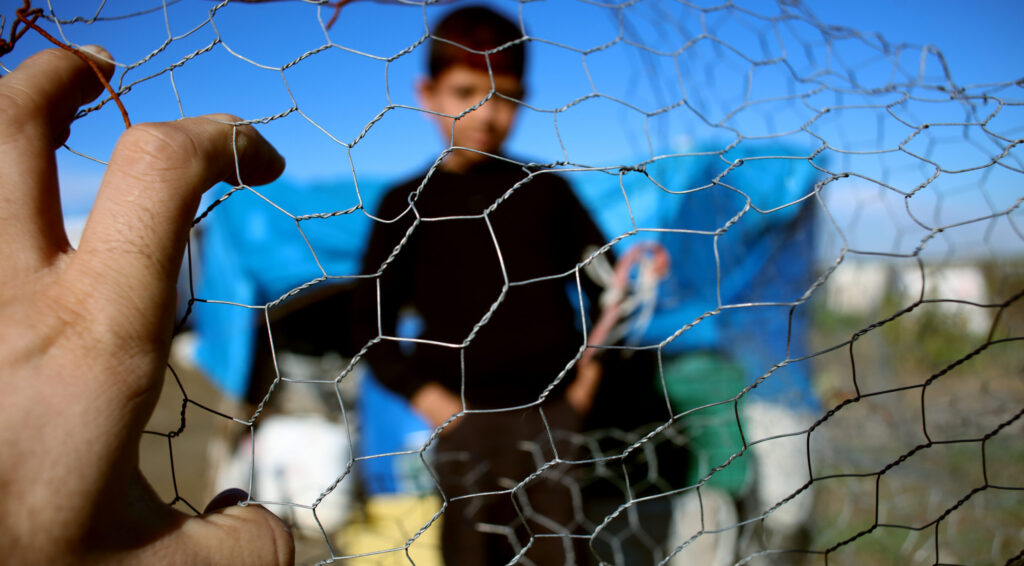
x,y
485,128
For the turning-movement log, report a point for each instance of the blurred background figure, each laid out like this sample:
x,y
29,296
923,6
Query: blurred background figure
x,y
735,375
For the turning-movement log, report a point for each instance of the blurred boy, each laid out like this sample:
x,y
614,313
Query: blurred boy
x,y
482,250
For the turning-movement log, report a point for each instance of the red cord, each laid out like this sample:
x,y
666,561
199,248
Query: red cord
x,y
28,16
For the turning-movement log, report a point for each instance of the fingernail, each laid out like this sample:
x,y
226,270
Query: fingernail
x,y
273,155
98,51
62,137
269,163
226,498
262,162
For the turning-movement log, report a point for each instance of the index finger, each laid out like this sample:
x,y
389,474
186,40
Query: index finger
x,y
135,236
37,102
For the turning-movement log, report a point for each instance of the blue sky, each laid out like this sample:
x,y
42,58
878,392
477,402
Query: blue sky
x,y
339,92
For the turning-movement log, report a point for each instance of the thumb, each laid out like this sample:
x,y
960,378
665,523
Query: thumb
x,y
238,534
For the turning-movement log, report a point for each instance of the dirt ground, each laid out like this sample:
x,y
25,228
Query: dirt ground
x,y
960,411
178,461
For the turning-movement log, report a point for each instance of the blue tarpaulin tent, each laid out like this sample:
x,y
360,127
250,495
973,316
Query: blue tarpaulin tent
x,y
765,252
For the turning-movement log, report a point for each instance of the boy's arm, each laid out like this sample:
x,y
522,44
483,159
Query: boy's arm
x,y
581,392
584,236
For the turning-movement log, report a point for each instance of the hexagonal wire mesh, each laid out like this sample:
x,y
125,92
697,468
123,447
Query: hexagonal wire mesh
x,y
823,370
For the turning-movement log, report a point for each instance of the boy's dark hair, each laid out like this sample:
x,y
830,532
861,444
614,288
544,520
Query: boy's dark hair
x,y
478,29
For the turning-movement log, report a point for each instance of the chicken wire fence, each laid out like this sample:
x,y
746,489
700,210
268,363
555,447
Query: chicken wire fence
x,y
814,356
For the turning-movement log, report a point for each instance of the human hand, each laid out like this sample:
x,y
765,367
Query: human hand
x,y
85,335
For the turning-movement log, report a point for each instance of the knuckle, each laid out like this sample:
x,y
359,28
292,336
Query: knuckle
x,y
159,148
51,56
18,106
22,99
195,149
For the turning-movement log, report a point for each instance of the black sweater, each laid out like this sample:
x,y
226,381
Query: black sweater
x,y
469,233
